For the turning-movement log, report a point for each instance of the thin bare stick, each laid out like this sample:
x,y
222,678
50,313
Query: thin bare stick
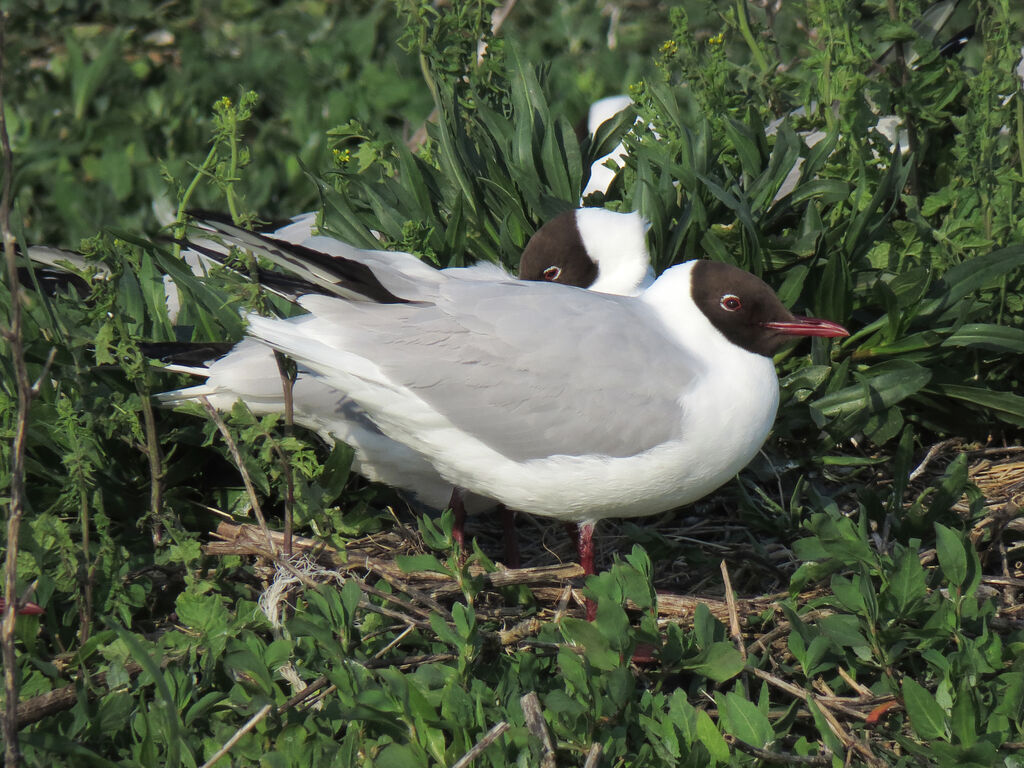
x,y
489,738
934,451
734,616
538,728
782,758
253,721
250,489
593,756
13,335
305,693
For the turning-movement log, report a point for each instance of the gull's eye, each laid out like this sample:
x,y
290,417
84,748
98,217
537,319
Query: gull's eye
x,y
552,273
730,302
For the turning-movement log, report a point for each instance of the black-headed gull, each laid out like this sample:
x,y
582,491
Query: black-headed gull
x,y
590,247
557,401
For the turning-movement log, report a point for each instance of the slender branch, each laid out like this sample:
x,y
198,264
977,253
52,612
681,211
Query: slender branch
x,y
156,467
253,722
489,738
250,489
780,758
13,335
86,572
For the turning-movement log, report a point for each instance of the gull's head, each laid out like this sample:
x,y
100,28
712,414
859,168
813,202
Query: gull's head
x,y
591,248
745,309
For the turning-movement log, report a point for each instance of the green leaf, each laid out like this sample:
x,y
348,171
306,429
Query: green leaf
x,y
952,555
417,563
964,716
178,747
744,720
711,738
908,585
927,718
1005,404
979,272
399,756
881,386
598,650
720,661
999,338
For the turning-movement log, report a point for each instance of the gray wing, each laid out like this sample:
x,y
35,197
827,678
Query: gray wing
x,y
532,369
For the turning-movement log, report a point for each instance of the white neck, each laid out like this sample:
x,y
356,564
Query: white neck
x,y
616,242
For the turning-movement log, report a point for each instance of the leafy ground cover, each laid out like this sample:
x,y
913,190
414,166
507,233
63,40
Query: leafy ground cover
x,y
852,598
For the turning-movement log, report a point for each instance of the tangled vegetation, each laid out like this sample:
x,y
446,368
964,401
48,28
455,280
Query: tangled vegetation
x,y
852,598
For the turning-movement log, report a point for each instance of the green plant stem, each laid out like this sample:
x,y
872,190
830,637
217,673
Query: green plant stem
x,y
156,471
179,221
229,193
1020,129
743,19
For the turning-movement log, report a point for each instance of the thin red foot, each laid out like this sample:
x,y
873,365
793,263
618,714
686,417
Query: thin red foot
x,y
585,548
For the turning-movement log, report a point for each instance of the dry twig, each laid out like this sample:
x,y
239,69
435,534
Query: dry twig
x,y
489,738
538,728
253,721
257,510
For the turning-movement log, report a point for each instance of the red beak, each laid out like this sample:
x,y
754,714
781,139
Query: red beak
x,y
26,608
808,326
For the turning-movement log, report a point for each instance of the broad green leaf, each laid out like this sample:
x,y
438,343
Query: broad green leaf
x,y
843,630
399,756
999,338
711,738
720,661
415,563
881,386
1005,404
598,650
908,584
952,556
744,720
926,717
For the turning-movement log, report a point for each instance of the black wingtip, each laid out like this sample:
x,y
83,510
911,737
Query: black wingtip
x,y
348,274
185,352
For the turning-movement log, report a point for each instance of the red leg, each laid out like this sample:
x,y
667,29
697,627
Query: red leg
x,y
459,508
508,524
585,547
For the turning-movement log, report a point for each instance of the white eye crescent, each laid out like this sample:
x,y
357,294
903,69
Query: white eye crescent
x,y
552,273
730,302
